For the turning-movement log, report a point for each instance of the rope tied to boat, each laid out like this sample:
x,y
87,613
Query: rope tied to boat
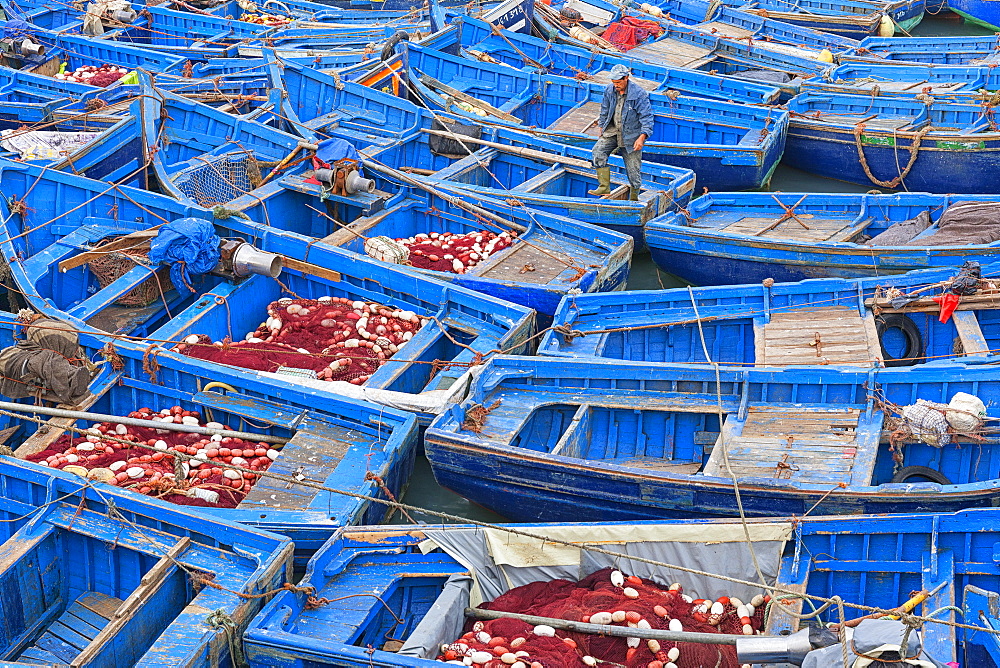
x,y
475,417
149,363
220,619
568,333
914,150
377,479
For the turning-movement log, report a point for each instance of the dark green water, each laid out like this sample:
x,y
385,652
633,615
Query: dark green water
x,y
424,492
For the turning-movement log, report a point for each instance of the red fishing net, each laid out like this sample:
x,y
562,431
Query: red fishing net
x,y
195,482
335,337
102,76
606,597
630,32
448,252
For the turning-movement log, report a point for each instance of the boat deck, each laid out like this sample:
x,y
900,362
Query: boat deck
x,y
809,444
673,52
581,119
725,30
73,631
802,227
824,335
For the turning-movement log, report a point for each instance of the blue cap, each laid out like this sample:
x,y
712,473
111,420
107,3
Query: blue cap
x,y
619,72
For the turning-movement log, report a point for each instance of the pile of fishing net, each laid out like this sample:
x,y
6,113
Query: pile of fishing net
x,y
198,481
630,32
264,19
605,597
449,252
335,338
102,76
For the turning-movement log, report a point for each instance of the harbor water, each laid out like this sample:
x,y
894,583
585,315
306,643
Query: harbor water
x,y
424,492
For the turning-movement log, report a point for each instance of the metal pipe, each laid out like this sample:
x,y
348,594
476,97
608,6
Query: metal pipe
x,y
136,422
607,630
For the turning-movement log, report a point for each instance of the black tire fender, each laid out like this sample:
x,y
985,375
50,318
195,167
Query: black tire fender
x,y
904,474
914,340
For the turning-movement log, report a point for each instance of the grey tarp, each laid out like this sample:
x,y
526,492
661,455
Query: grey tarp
x,y
900,233
500,562
42,364
961,224
873,638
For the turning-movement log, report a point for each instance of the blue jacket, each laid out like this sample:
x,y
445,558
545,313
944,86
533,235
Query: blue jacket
x,y
637,114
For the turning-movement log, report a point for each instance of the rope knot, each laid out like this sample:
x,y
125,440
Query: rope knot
x,y
568,333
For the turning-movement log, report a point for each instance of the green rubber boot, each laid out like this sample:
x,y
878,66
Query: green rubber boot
x,y
603,182
633,194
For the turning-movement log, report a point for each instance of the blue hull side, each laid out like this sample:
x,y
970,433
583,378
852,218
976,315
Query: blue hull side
x,y
960,166
528,489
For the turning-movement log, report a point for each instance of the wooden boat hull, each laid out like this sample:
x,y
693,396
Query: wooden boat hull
x,y
867,560
67,528
522,452
740,151
712,257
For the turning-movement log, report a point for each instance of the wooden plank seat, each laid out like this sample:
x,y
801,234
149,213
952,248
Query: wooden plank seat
x,y
75,628
800,443
580,119
823,335
673,52
725,30
818,229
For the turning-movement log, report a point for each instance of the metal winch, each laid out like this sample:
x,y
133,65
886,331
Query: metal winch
x,y
344,178
21,46
239,259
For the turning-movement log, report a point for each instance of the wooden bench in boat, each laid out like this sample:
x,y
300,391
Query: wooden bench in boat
x,y
822,335
673,52
582,119
725,30
800,443
73,631
816,229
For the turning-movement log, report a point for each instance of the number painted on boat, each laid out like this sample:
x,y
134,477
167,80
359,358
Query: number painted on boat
x,y
961,145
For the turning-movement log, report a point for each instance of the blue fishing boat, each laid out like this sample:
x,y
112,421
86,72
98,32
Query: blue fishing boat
x,y
956,83
427,576
68,53
729,146
458,326
733,238
474,38
595,440
356,447
871,322
543,175
75,600
891,142
856,19
926,50
976,12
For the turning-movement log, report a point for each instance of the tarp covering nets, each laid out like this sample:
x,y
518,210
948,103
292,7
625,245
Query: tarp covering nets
x,y
961,224
334,337
630,32
606,597
160,473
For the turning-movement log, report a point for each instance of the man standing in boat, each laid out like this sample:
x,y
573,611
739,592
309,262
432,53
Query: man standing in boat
x,y
626,123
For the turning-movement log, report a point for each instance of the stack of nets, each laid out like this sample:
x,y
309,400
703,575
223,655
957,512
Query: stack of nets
x,y
109,267
605,597
158,472
448,252
221,179
335,337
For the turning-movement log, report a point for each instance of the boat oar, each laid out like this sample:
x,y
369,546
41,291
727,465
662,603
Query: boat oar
x,y
136,422
609,630
904,609
516,150
456,201
287,159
